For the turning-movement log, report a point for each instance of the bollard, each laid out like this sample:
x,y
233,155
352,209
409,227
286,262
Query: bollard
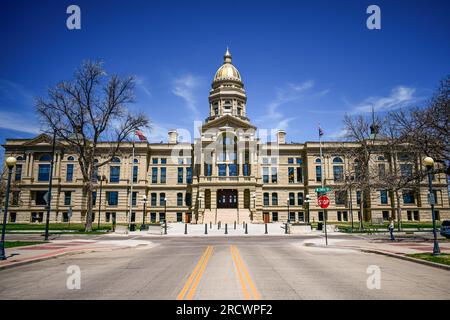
x,y
246,228
285,228
234,225
210,224
266,229
206,228
243,224
165,227
218,226
226,228
185,228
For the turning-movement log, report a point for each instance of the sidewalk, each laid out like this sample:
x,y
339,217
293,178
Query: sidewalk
x,y
23,255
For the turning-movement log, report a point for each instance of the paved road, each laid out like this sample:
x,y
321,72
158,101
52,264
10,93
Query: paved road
x,y
226,268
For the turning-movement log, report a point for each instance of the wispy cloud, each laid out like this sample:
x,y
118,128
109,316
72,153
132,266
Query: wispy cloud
x,y
336,135
399,97
142,86
185,87
274,117
19,102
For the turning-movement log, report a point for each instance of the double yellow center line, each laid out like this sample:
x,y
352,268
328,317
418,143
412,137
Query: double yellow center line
x,y
191,284
247,284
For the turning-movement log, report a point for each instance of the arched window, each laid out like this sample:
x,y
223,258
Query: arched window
x,y
115,160
45,157
318,160
20,158
337,160
380,158
70,158
135,161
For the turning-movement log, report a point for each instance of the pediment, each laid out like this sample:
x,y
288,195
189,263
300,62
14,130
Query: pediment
x,y
42,139
228,121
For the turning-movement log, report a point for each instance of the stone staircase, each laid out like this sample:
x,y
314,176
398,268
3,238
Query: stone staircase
x,y
228,216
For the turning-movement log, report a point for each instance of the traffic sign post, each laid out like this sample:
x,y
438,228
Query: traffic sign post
x,y
323,189
324,202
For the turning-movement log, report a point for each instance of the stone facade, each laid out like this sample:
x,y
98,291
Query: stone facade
x,y
227,174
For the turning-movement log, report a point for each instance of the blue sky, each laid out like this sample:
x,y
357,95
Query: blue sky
x,y
302,62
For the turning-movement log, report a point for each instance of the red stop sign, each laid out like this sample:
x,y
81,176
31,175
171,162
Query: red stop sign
x,y
324,202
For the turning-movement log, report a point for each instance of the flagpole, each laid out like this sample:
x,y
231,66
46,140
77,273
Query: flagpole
x,y
131,188
322,183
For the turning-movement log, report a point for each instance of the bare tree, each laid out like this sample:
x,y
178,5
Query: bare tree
x,y
428,129
87,110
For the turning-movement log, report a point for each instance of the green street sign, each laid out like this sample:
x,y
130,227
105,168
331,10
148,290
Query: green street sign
x,y
324,189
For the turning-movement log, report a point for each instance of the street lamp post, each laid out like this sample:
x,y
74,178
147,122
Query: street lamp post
x,y
289,210
429,162
254,206
102,178
165,215
308,200
144,200
10,163
49,193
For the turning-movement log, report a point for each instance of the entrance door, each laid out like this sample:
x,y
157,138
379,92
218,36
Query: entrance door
x,y
227,198
266,217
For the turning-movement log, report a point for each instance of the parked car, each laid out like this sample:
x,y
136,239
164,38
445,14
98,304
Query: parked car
x,y
445,228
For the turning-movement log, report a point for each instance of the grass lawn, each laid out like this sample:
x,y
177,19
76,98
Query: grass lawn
x,y
443,258
12,244
79,227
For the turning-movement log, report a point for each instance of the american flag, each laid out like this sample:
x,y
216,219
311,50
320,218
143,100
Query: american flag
x,y
320,131
140,135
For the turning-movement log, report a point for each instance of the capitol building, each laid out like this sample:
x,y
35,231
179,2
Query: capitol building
x,y
227,174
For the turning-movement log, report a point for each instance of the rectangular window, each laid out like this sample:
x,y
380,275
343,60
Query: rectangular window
x,y
298,160
338,173
188,199
179,217
265,175
318,173
65,217
189,175
18,172
435,195
208,169
291,199
416,216
301,216
94,198
385,215
153,199
163,175
152,217
292,216
408,197
67,198
15,198
291,174
114,174
266,198
12,217
39,198
232,170
406,170
222,170
162,199
112,198
274,175
162,217
340,197
155,160
154,175
246,169
180,160
163,160
274,216
320,215
179,199
274,199
135,174
383,197
290,160
180,175
69,173
299,175
300,198
134,198
44,172
358,197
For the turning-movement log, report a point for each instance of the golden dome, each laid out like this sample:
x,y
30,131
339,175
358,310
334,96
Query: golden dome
x,y
227,71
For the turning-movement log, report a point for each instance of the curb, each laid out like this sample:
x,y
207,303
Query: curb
x,y
380,252
31,260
